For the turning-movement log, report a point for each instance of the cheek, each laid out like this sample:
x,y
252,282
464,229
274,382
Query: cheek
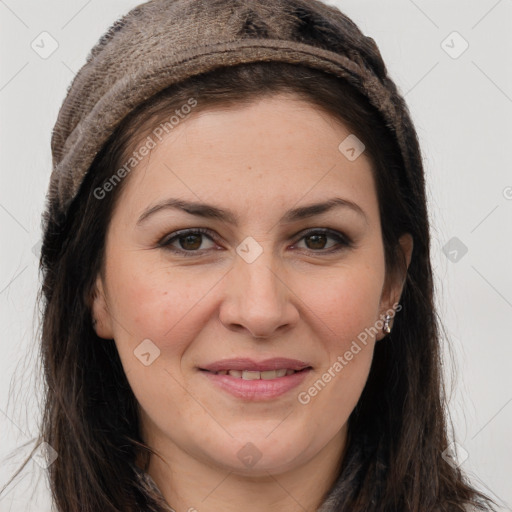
x,y
155,301
166,306
345,302
345,309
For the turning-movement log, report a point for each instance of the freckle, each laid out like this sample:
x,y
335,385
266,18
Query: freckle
x,y
165,293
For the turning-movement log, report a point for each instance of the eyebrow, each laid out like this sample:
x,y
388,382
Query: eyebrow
x,y
213,212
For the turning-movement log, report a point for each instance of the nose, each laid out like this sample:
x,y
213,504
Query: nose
x,y
258,299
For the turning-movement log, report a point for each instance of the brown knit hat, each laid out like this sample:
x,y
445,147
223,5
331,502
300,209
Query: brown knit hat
x,y
162,42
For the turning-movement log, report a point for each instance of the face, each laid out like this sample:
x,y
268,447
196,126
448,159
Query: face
x,y
267,285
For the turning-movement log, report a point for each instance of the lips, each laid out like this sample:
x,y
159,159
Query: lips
x,y
251,380
256,390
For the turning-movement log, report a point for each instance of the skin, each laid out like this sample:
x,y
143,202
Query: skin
x,y
295,300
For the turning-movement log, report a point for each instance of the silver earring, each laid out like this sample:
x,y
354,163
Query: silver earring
x,y
387,328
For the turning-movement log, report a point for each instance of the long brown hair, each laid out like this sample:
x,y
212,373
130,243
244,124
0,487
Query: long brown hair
x,y
398,429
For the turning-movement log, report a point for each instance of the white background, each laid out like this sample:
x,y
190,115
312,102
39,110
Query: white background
x,y
461,108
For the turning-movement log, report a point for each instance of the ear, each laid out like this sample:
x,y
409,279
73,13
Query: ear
x,y
394,284
100,311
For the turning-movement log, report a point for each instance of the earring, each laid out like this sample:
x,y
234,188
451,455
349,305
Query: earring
x,y
387,328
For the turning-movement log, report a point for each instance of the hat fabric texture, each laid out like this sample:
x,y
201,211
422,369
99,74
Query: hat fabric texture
x,y
162,42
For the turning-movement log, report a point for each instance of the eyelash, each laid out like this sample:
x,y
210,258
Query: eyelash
x,y
342,240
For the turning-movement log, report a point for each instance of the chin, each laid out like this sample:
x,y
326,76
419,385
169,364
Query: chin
x,y
261,456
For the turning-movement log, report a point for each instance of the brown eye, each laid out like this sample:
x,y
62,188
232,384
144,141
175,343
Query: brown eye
x,y
316,240
190,241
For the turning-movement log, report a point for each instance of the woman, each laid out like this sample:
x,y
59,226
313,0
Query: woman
x,y
238,301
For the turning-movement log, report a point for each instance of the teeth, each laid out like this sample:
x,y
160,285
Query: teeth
x,y
252,375
247,375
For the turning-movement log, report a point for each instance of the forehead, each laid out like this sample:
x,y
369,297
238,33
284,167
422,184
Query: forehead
x,y
273,151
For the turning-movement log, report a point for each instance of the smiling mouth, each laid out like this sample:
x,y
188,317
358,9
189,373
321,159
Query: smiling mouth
x,y
256,375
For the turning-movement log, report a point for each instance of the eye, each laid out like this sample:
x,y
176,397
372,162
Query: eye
x,y
191,240
316,239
